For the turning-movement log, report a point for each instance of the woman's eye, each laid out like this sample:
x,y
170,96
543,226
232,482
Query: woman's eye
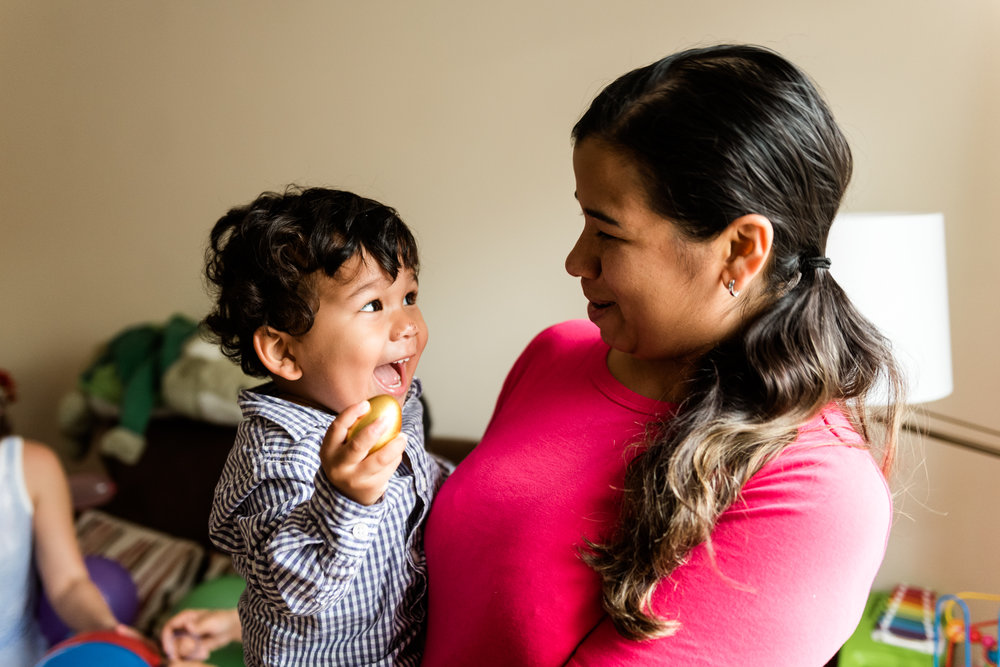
x,y
372,306
410,299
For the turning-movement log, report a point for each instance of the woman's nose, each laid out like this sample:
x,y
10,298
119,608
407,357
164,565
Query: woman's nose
x,y
581,262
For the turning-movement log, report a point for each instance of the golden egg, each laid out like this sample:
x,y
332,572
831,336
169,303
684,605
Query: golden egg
x,y
381,405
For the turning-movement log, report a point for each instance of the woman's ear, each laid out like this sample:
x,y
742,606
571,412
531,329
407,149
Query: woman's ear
x,y
274,351
748,240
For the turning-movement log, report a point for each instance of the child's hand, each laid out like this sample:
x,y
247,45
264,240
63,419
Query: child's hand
x,y
361,477
194,633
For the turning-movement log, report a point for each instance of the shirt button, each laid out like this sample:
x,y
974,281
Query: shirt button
x,y
360,531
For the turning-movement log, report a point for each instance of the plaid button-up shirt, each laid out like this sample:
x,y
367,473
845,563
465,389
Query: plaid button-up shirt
x,y
329,581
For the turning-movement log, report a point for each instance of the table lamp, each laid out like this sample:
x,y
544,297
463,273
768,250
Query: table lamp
x,y
892,266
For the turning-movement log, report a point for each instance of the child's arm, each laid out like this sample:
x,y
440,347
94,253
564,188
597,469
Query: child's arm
x,y
297,540
73,595
360,476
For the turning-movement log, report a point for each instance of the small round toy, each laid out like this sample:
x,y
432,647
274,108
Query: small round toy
x,y
115,584
102,648
381,405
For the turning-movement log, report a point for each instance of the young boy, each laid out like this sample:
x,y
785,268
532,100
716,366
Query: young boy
x,y
316,290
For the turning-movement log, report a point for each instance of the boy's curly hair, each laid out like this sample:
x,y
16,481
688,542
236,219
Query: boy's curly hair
x,y
262,256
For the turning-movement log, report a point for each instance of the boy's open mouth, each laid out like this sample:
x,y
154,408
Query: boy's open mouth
x,y
390,375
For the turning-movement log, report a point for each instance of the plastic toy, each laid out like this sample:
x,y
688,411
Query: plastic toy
x,y
908,619
115,584
962,631
102,648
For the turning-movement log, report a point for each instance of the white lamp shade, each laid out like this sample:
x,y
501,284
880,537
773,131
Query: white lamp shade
x,y
892,266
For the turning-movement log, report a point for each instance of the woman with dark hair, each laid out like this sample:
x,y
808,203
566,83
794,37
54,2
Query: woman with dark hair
x,y
692,477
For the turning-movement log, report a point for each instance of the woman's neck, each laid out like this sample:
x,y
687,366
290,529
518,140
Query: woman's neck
x,y
661,380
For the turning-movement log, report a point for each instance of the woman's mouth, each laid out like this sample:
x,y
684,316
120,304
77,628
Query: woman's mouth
x,y
595,309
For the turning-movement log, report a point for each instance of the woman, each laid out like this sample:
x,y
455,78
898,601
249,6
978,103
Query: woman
x,y
39,545
690,481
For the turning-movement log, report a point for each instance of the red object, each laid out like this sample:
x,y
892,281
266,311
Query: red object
x,y
143,648
8,388
90,489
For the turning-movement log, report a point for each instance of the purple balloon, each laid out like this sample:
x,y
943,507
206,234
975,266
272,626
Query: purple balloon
x,y
115,584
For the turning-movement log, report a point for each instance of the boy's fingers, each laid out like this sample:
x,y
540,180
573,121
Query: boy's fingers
x,y
380,466
365,439
338,429
393,450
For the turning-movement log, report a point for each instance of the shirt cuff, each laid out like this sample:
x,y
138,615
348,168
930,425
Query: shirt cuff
x,y
349,525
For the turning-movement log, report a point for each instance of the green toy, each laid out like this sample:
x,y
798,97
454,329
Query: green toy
x,y
123,382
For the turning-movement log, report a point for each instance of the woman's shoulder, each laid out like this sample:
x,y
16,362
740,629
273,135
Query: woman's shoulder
x,y
565,335
828,461
556,345
560,346
41,466
39,456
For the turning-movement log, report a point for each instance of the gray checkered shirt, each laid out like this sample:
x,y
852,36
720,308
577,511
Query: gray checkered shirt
x,y
329,581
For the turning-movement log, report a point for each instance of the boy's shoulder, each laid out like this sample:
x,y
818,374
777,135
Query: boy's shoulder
x,y
271,419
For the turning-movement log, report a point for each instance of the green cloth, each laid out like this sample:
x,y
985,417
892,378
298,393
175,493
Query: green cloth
x,y
128,370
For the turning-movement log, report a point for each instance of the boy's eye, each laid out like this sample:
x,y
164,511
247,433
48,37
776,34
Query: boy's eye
x,y
372,306
410,299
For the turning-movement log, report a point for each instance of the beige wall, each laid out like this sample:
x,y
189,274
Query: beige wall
x,y
127,128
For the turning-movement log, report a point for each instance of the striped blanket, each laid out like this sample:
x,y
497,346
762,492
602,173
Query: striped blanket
x,y
163,567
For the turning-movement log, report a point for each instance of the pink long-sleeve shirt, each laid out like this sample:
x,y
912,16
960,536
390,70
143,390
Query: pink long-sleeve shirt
x,y
795,555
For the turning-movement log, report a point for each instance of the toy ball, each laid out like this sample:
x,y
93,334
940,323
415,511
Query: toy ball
x,y
115,584
382,405
955,631
102,648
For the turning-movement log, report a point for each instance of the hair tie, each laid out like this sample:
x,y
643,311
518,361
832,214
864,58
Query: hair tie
x,y
818,262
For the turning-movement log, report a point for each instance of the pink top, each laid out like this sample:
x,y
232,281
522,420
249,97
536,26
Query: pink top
x,y
796,554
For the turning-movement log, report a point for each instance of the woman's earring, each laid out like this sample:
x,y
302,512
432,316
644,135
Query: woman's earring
x,y
732,288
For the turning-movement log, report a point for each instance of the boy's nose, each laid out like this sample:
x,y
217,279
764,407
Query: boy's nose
x,y
405,327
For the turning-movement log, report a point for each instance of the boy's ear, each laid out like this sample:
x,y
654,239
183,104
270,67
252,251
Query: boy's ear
x,y
274,351
748,240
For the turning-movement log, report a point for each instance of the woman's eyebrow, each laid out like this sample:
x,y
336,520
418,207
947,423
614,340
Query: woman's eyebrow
x,y
594,213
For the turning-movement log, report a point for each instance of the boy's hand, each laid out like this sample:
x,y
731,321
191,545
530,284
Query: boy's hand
x,y
361,477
